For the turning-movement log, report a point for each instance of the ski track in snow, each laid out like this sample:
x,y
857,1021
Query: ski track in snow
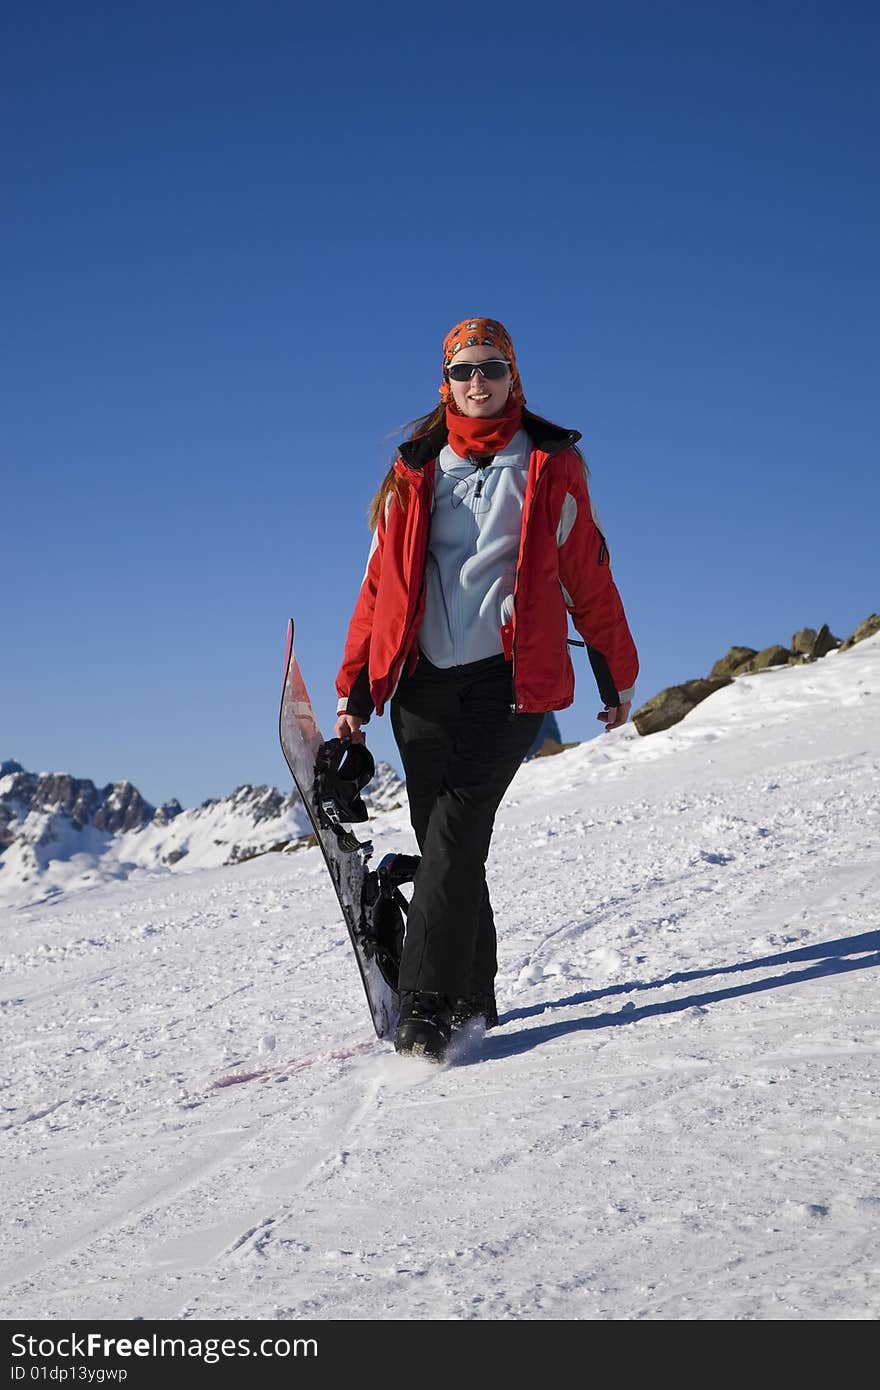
x,y
677,1119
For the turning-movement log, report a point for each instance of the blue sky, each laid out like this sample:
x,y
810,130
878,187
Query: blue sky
x,y
234,237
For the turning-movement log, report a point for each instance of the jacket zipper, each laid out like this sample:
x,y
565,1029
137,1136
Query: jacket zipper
x,y
458,636
538,482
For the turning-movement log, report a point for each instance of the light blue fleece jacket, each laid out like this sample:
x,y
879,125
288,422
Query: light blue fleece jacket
x,y
473,546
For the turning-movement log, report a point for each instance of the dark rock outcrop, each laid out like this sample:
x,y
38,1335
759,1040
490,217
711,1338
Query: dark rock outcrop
x,y
673,703
735,661
808,644
869,628
763,660
823,643
802,641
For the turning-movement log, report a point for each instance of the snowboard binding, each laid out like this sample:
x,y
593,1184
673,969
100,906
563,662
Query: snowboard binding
x,y
342,770
383,912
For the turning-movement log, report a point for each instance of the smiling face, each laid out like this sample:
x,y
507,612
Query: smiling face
x,y
479,397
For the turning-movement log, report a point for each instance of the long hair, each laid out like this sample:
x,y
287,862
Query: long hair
x,y
395,486
392,484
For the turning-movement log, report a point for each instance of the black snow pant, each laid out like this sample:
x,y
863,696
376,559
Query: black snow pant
x,y
461,745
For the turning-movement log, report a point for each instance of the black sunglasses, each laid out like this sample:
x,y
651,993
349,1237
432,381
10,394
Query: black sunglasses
x,y
493,370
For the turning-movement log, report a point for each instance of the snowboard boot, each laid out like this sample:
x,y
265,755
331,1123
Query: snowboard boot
x,y
475,1007
425,1026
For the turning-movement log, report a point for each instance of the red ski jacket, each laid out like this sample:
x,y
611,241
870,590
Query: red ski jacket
x,y
563,567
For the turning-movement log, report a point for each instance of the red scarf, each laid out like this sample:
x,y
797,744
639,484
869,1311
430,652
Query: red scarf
x,y
471,436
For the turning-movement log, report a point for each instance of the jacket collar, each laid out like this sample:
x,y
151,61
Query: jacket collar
x,y
550,439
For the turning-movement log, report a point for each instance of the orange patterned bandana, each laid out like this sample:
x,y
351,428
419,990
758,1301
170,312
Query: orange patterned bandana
x,y
480,333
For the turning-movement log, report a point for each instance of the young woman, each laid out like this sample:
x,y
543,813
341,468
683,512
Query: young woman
x,y
484,543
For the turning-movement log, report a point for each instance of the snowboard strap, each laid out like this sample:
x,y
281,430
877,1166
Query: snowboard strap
x,y
384,910
342,769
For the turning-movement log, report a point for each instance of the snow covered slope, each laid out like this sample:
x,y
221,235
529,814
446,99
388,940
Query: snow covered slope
x,y
677,1119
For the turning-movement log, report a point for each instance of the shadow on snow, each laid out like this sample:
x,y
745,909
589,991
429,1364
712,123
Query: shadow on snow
x,y
832,958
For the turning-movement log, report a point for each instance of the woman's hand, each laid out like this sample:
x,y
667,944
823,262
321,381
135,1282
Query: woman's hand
x,y
613,716
348,728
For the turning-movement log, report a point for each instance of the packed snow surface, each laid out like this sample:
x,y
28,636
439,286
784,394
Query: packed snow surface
x,y
677,1119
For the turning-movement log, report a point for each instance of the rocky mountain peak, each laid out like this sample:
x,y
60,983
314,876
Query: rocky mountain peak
x,y
52,822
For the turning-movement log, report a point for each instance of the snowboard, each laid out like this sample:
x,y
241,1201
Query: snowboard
x,y
347,857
